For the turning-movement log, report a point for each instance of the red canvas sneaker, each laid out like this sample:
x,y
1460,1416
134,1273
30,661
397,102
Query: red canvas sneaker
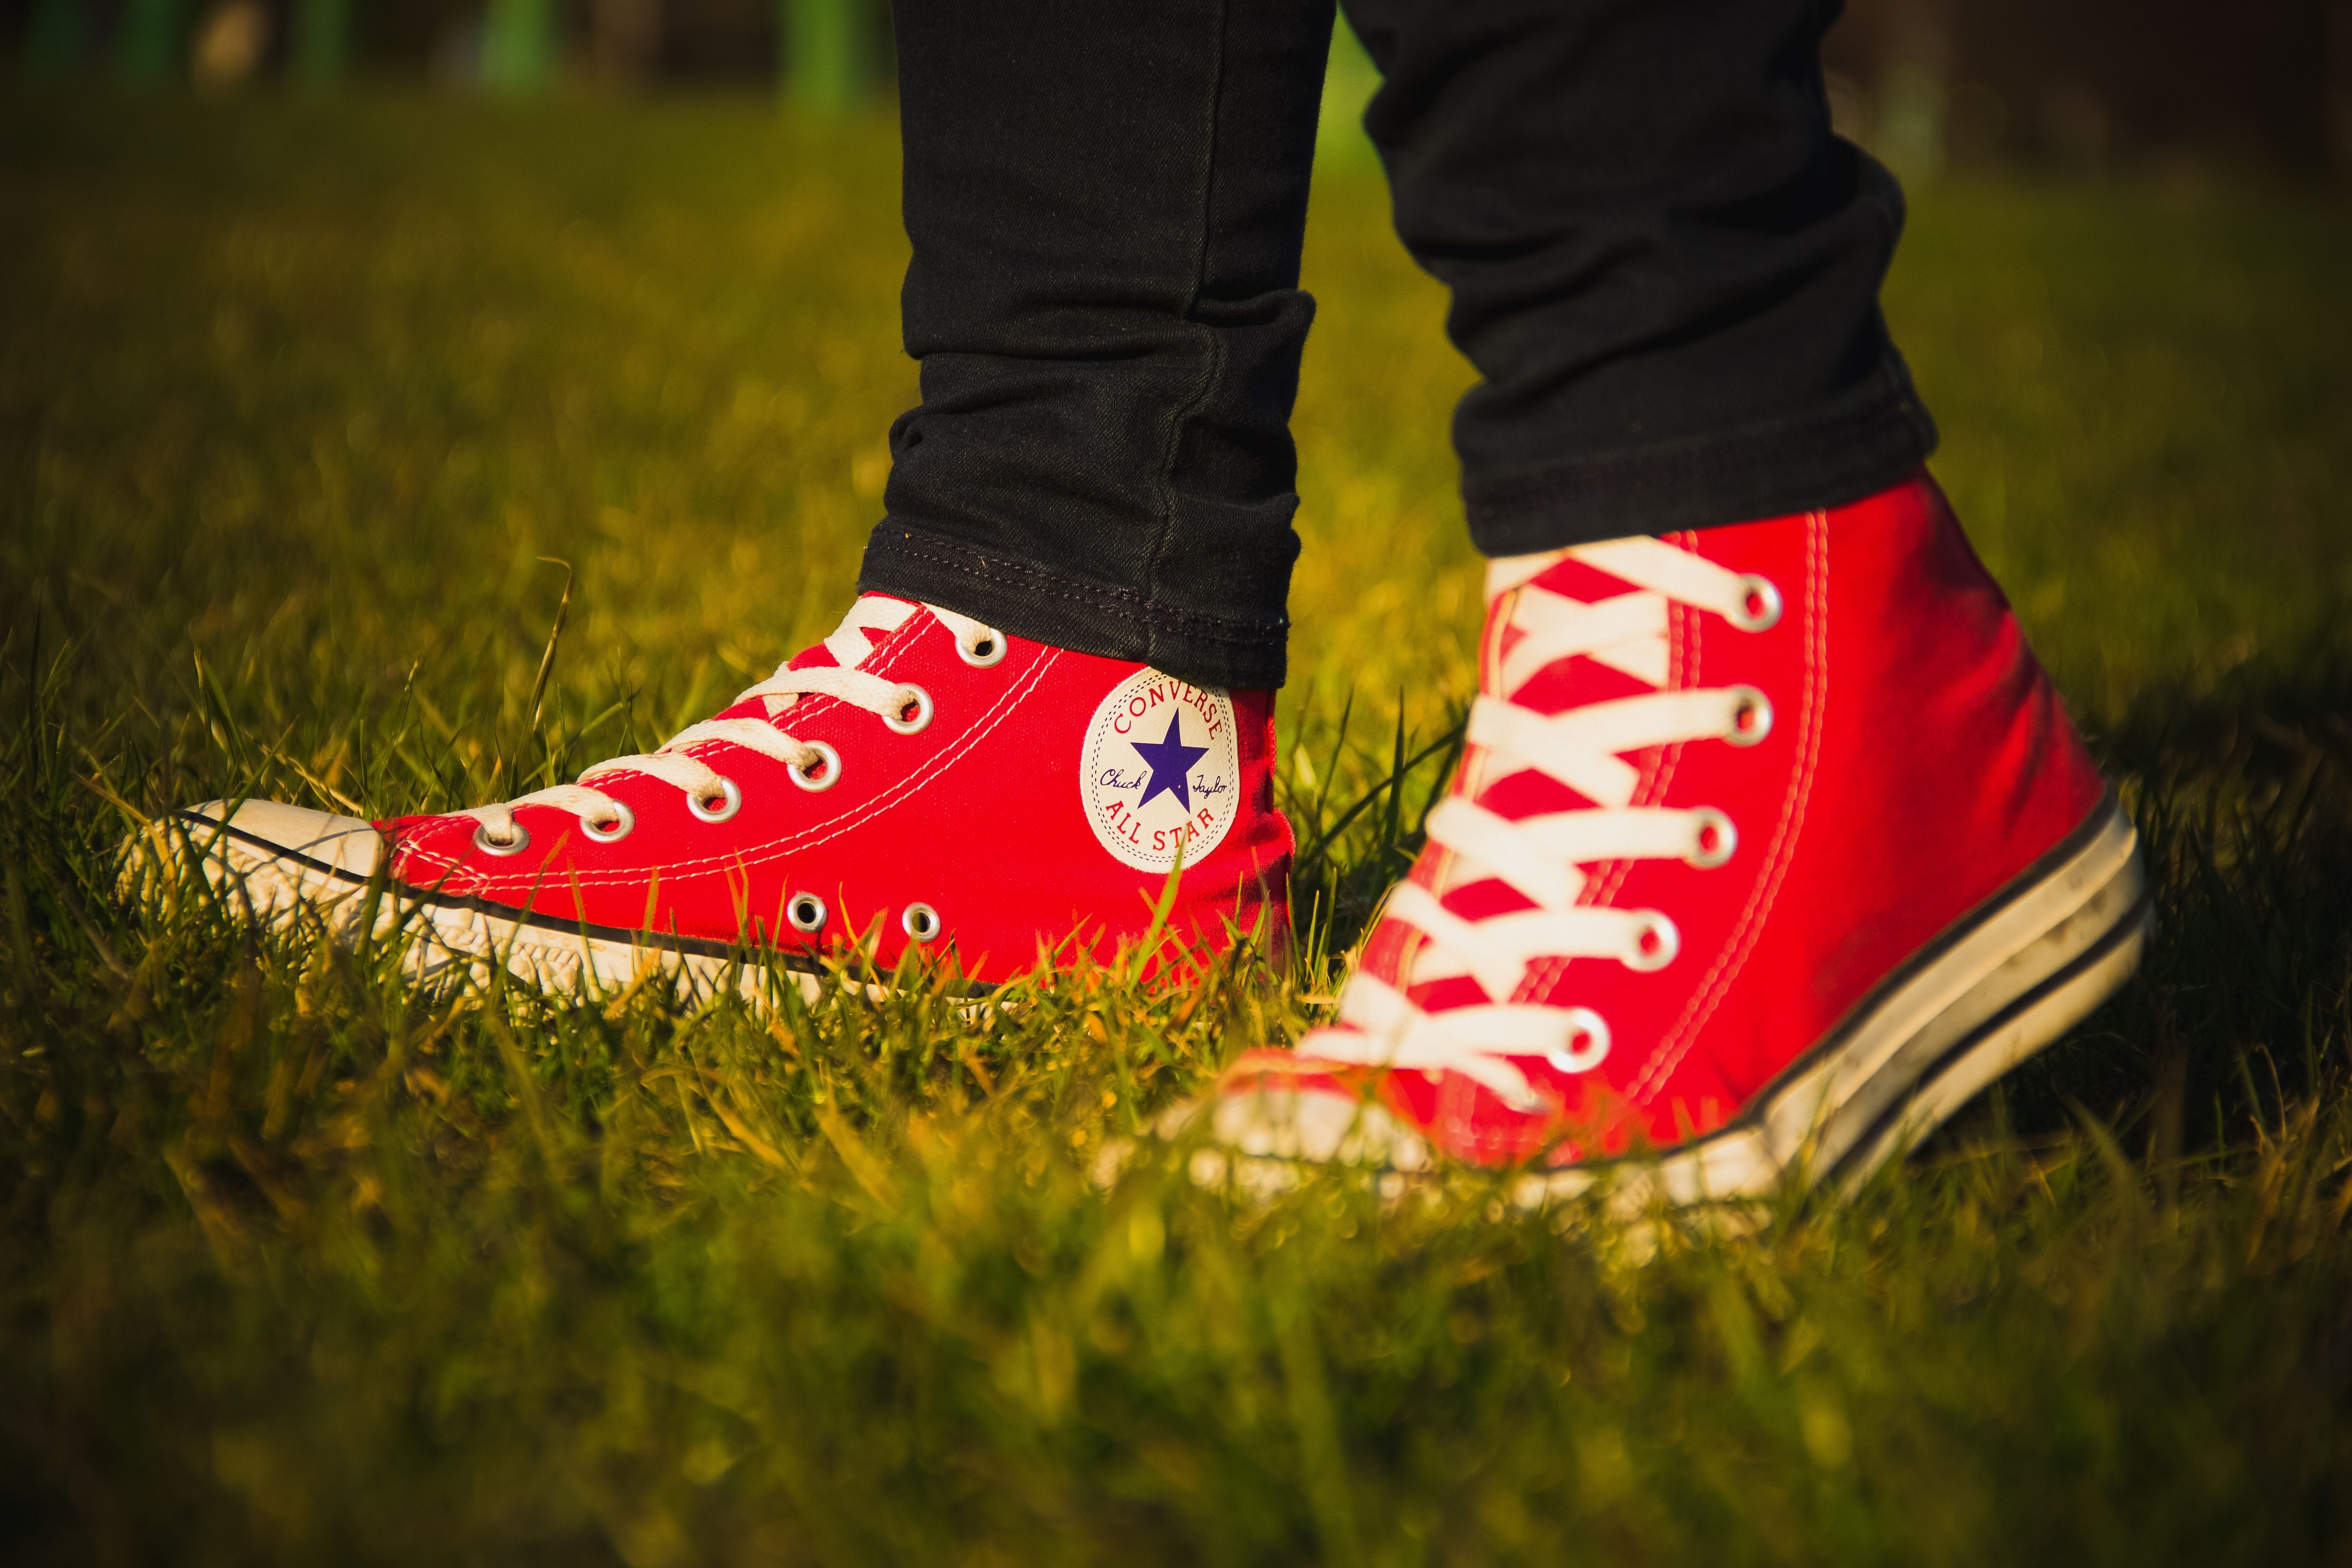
x,y
916,780
1771,845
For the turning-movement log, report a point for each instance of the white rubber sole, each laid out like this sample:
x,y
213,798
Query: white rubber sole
x,y
281,864
1995,989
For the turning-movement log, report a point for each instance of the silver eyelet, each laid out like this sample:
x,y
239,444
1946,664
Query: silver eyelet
x,y
823,775
623,819
730,801
917,699
1759,604
1751,721
1590,1031
920,921
489,846
986,651
1714,842
1655,947
806,911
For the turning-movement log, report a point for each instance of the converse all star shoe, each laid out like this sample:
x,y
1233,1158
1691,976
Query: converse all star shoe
x,y
1771,845
918,780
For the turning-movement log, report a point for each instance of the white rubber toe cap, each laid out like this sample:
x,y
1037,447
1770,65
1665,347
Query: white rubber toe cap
x,y
267,829
271,860
1264,1137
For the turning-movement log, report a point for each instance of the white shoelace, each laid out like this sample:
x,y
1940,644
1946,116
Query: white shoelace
x,y
1541,856
812,764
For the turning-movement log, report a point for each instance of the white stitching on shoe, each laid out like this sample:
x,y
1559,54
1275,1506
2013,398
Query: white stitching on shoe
x,y
1582,747
1008,701
1676,1042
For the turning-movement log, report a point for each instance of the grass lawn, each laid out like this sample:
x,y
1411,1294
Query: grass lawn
x,y
297,1263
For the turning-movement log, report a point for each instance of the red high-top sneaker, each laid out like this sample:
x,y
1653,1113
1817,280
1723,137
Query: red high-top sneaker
x,y
917,779
1770,848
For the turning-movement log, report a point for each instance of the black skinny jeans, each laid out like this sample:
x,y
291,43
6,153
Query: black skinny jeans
x,y
1663,265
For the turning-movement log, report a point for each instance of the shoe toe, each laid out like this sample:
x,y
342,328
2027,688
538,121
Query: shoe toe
x,y
273,859
347,844
1261,1132
1285,1122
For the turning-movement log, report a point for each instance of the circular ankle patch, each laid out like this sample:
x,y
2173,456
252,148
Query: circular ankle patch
x,y
1160,771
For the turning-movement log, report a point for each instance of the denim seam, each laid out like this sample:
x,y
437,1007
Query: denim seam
x,y
1212,361
1124,603
1752,452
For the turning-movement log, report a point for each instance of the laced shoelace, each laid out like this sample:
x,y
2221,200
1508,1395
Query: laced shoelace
x,y
813,765
1541,857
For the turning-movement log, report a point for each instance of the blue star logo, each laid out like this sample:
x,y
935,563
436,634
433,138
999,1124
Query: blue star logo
x,y
1168,759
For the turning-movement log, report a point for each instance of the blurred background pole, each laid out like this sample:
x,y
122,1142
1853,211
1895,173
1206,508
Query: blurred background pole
x,y
624,38
149,41
1350,79
320,49
2339,85
824,64
518,44
53,39
1914,87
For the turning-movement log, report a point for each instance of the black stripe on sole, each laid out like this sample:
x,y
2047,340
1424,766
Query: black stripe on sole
x,y
1863,1154
685,946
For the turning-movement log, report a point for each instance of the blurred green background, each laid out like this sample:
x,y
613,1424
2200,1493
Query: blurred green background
x,y
322,324
2085,85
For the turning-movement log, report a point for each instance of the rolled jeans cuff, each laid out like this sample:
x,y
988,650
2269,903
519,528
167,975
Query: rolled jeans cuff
x,y
1029,601
1831,457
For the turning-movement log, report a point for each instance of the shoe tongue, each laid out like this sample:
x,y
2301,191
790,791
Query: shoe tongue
x,y
1574,579
871,619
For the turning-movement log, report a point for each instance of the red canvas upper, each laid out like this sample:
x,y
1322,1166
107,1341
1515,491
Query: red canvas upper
x,y
986,817
1916,760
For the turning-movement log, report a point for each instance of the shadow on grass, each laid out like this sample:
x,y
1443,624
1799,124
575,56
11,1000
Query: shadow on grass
x,y
2242,790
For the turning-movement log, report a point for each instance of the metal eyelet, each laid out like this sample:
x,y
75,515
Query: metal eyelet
x,y
823,775
1714,841
986,651
1759,604
917,699
489,846
806,912
1589,1030
1751,719
920,921
730,801
623,819
1656,945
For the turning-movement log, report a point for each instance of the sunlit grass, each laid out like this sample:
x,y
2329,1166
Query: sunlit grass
x,y
300,1262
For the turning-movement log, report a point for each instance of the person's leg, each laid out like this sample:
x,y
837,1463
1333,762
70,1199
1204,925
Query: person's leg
x,y
1771,843
988,757
1105,199
1663,262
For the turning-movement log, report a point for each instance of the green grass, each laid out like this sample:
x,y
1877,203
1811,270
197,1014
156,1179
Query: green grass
x,y
298,1264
